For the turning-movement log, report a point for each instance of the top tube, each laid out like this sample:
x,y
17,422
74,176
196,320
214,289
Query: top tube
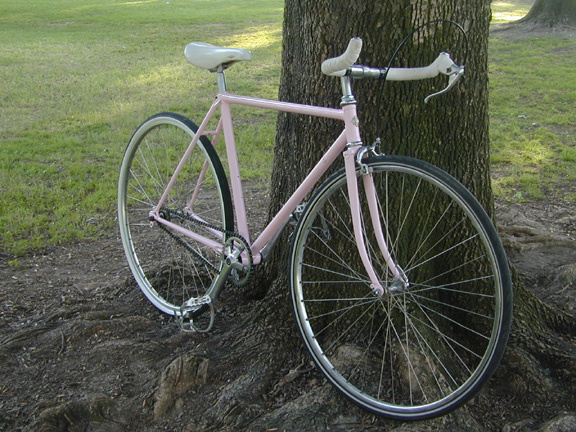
x,y
290,107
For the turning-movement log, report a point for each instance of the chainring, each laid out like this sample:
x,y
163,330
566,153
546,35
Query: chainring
x,y
240,277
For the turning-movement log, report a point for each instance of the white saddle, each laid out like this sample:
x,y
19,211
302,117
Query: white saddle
x,y
210,56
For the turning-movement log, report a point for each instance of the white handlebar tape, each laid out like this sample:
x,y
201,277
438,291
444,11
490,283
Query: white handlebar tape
x,y
337,66
442,64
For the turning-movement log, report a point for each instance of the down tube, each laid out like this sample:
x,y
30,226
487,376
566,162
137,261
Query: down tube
x,y
305,187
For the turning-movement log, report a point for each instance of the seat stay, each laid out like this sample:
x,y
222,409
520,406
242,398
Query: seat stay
x,y
199,133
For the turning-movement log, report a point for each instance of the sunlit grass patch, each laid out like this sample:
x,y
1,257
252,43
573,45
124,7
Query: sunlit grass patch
x,y
506,11
533,114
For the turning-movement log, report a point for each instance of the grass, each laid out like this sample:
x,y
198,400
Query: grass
x,y
78,76
511,10
533,115
77,79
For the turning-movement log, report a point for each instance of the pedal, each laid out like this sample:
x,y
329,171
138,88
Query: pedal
x,y
192,310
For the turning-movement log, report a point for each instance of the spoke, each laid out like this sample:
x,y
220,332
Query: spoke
x,y
432,326
462,282
422,340
451,306
451,320
354,276
345,309
347,330
458,267
457,245
430,232
411,369
335,258
369,344
139,188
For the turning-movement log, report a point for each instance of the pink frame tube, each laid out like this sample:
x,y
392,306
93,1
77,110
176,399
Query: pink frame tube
x,y
295,108
305,187
350,166
185,158
350,136
329,157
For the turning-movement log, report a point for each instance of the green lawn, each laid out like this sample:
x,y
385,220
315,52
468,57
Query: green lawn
x,y
78,76
533,116
509,10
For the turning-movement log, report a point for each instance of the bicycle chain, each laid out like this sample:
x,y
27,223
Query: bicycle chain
x,y
188,248
229,235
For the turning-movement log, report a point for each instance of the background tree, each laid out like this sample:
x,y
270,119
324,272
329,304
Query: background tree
x,y
551,13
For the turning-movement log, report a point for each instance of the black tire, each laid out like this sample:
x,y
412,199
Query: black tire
x,y
168,272
415,352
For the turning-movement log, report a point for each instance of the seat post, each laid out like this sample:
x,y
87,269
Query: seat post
x,y
221,78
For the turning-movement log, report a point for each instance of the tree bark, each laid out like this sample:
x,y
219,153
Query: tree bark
x,y
451,131
551,13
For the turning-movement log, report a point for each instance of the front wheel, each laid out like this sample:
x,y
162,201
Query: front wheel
x,y
169,267
421,349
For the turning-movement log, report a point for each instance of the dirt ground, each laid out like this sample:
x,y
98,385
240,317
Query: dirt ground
x,y
82,350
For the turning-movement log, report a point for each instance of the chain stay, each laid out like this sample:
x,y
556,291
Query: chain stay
x,y
188,248
230,237
194,306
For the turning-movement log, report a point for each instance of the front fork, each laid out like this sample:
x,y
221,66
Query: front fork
x,y
352,160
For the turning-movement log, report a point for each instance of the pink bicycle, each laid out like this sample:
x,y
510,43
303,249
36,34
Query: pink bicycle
x,y
399,282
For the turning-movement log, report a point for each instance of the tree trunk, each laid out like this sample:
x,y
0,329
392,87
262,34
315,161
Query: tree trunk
x,y
450,131
551,13
269,380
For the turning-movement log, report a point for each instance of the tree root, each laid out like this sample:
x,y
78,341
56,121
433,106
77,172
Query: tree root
x,y
184,373
95,412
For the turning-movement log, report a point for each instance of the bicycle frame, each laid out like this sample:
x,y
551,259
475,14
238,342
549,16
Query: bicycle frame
x,y
348,143
367,327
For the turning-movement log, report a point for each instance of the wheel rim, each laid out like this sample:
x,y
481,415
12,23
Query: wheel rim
x,y
384,352
168,272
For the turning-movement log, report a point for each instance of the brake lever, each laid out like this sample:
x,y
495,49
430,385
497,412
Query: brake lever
x,y
454,73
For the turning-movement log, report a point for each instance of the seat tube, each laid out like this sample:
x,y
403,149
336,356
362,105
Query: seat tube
x,y
237,194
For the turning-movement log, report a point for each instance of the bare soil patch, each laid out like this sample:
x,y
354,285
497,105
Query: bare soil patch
x,y
82,350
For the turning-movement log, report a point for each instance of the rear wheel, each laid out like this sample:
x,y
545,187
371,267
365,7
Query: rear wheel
x,y
170,268
419,350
